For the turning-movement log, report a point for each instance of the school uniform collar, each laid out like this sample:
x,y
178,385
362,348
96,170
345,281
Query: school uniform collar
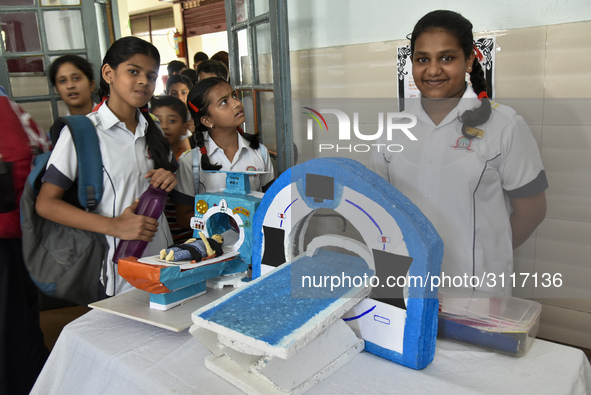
x,y
108,120
142,125
212,147
242,143
468,101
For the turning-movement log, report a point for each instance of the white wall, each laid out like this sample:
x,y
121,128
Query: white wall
x,y
330,23
140,6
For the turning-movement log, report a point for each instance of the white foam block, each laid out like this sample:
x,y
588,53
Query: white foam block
x,y
329,352
164,307
321,355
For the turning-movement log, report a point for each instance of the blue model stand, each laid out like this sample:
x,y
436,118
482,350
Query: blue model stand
x,y
178,296
219,212
215,213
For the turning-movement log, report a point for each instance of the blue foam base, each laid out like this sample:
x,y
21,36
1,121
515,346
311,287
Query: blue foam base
x,y
269,312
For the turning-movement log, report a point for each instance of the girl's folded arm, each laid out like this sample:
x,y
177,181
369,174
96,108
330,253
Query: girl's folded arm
x,y
127,226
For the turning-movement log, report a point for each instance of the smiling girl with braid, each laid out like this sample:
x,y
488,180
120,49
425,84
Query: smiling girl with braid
x,y
220,145
475,169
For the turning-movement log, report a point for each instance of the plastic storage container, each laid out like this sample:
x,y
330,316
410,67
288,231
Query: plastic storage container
x,y
151,204
501,323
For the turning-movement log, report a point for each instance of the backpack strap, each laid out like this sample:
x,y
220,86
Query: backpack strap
x,y
90,170
196,168
39,165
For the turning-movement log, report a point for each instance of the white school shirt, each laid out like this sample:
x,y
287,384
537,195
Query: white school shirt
x,y
126,161
463,186
246,159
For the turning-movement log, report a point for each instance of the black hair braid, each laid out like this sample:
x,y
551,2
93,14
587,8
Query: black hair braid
x,y
104,88
253,140
197,137
477,77
205,162
479,115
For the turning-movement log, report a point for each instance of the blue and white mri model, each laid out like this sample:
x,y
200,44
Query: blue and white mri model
x,y
399,242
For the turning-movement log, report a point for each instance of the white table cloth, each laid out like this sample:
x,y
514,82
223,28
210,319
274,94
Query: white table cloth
x,y
101,353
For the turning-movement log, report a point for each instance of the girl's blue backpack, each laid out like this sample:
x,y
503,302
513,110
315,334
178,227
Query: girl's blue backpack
x,y
66,262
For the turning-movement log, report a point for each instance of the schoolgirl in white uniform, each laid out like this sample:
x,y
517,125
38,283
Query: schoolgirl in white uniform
x,y
220,145
134,152
475,170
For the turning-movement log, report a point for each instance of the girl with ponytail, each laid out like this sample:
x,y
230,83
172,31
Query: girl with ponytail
x,y
475,169
220,144
134,153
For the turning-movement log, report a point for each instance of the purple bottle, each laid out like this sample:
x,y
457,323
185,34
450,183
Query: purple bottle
x,y
151,204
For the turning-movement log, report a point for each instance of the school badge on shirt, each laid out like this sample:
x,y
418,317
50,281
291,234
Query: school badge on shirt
x,y
463,143
466,143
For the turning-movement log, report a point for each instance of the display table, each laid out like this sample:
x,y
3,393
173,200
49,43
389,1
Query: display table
x,y
101,353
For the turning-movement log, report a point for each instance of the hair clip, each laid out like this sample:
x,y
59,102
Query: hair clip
x,y
479,54
482,95
203,150
474,132
193,106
